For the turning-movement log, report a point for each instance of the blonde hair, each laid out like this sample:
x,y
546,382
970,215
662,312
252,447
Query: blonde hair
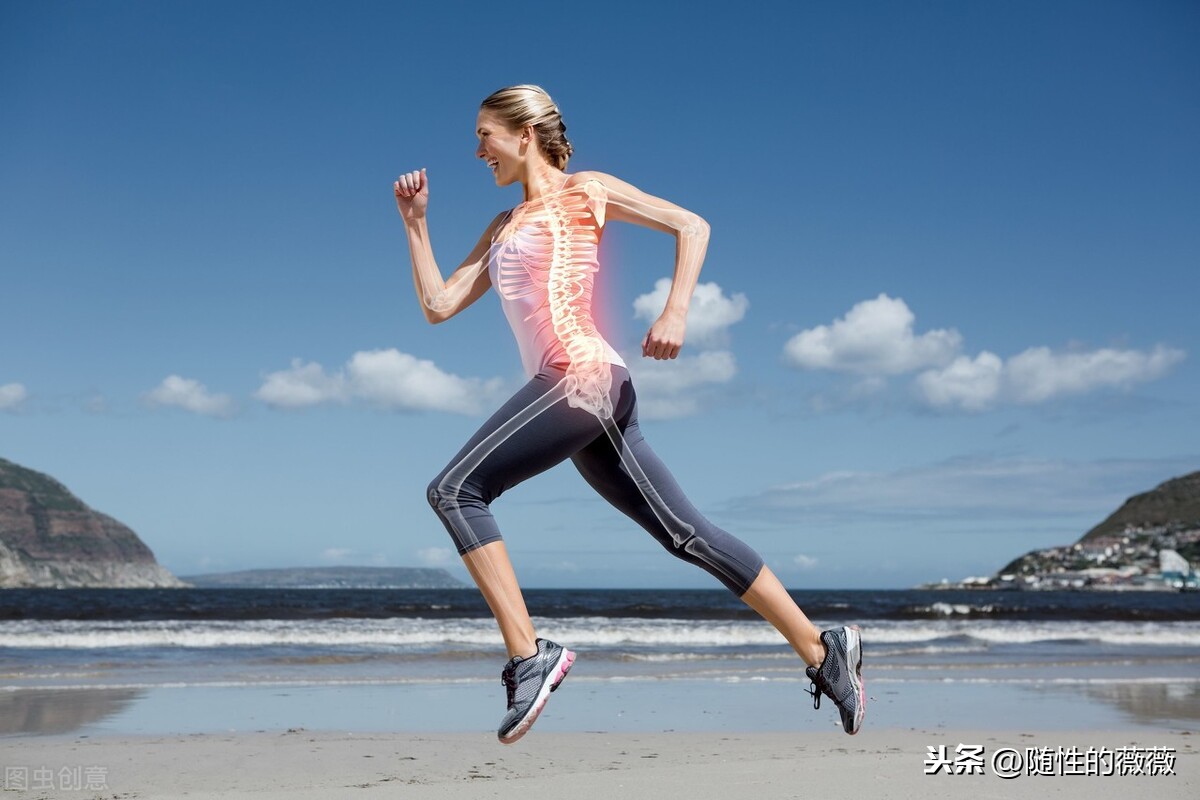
x,y
526,104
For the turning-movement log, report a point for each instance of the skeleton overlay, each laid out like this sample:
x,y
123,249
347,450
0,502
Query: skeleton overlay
x,y
548,257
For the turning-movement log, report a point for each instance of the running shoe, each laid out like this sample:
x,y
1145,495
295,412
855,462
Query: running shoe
x,y
840,676
529,682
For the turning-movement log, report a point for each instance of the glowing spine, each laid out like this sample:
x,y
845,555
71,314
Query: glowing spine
x,y
589,378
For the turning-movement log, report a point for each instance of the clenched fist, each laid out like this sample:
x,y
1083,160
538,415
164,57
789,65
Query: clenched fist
x,y
412,195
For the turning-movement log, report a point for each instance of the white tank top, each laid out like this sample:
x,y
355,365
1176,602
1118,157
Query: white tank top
x,y
524,259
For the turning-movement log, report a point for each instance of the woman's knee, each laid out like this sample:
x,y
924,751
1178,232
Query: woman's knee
x,y
438,495
723,556
447,496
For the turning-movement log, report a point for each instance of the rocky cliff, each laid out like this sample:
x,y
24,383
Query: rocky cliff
x,y
1125,550
50,538
1173,504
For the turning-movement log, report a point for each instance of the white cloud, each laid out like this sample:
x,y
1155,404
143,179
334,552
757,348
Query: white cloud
x,y
349,557
804,562
436,556
11,396
1038,375
710,312
674,375
95,404
875,337
394,380
969,489
205,562
970,384
651,407
673,388
302,385
387,379
668,389
964,516
190,395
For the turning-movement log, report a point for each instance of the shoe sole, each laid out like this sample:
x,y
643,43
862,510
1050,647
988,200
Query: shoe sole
x,y
854,649
565,660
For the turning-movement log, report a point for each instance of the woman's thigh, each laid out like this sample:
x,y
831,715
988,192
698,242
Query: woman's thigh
x,y
530,433
627,473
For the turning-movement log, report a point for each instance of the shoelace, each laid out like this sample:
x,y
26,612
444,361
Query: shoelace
x,y
818,686
509,678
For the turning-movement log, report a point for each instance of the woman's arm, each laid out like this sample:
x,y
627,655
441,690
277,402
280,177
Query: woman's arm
x,y
625,202
440,299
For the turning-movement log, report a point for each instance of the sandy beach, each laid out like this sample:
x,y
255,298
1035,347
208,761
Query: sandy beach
x,y
397,695
300,764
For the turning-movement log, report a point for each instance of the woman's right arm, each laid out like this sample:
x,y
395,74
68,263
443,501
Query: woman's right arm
x,y
440,299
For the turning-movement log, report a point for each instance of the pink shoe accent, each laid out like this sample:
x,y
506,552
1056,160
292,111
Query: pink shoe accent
x,y
523,728
862,684
563,669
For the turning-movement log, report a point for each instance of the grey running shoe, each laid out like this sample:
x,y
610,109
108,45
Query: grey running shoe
x,y
840,676
529,682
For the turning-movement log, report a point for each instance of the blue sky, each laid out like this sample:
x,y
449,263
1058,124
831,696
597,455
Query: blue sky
x,y
948,312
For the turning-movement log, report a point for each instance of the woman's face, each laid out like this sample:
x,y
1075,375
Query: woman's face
x,y
498,146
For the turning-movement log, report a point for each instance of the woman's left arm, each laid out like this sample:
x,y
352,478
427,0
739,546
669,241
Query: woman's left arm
x,y
622,201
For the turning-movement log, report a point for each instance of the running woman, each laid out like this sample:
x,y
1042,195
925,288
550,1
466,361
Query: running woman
x,y
579,402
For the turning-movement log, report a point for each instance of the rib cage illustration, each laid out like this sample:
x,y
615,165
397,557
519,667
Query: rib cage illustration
x,y
558,257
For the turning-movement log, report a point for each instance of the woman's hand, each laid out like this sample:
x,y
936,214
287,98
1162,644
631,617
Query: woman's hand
x,y
665,337
412,195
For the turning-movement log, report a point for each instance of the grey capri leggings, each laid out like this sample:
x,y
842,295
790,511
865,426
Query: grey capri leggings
x,y
537,429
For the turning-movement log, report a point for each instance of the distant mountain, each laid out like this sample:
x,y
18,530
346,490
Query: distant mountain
x,y
1173,504
51,538
1126,550
330,578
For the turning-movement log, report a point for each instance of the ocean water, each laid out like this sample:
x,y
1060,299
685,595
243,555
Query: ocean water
x,y
83,659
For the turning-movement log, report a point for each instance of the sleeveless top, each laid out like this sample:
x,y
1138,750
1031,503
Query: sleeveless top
x,y
550,240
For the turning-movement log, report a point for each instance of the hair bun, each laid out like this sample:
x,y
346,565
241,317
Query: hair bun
x,y
527,104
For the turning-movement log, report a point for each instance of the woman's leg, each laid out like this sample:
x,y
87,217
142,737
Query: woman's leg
x,y
532,432
625,471
493,572
772,602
